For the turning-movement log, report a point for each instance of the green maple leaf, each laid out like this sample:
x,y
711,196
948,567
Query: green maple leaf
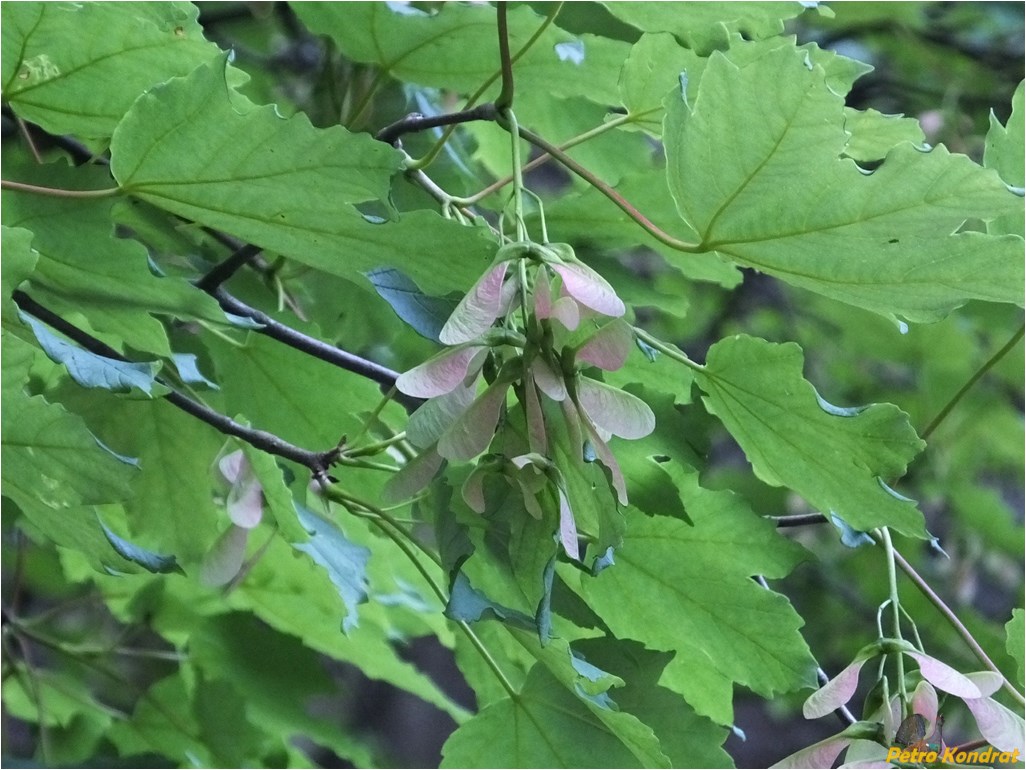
x,y
755,166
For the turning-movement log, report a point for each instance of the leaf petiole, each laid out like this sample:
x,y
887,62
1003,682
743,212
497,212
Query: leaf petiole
x,y
669,351
56,192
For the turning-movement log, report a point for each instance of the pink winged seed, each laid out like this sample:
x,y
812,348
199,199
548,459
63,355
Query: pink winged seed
x,y
822,754
245,499
614,410
470,435
436,416
568,528
224,559
478,310
589,288
609,347
608,459
924,701
944,677
440,374
547,381
834,693
413,477
999,726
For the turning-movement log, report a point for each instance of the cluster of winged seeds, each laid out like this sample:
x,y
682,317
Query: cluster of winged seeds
x,y
533,323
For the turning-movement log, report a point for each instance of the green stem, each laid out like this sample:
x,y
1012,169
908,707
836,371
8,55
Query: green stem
x,y
957,624
518,178
56,192
399,536
545,158
359,462
429,158
356,113
348,501
972,381
646,224
377,447
488,659
668,350
892,584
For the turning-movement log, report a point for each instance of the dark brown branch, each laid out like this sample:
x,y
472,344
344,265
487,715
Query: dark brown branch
x,y
799,520
226,269
311,346
416,122
505,98
317,462
322,351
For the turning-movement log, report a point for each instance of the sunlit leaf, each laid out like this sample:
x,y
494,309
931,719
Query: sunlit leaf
x,y
457,48
546,726
83,268
171,511
76,68
1004,152
49,455
778,197
836,463
192,147
874,134
656,64
17,265
705,26
697,571
1015,630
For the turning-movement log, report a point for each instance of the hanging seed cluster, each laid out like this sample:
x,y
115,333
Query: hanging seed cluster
x,y
532,324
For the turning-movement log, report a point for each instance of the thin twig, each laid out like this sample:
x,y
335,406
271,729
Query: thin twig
x,y
545,158
505,98
56,192
957,624
417,122
317,462
972,381
23,127
622,203
799,520
428,159
226,269
321,350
